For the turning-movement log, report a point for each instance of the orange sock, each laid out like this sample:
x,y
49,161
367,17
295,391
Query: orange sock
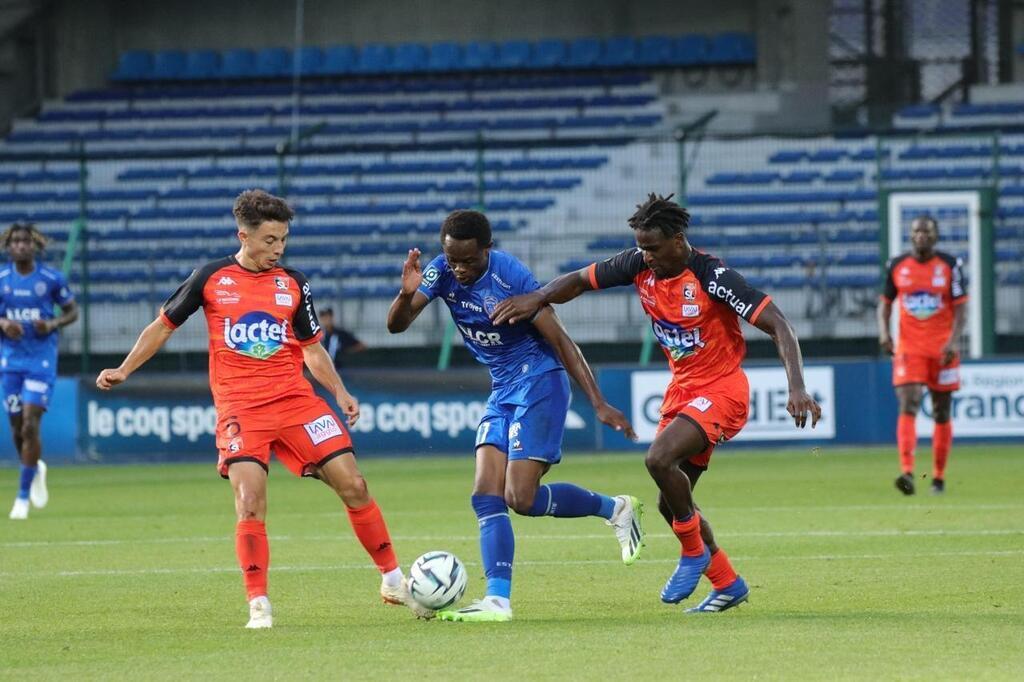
x,y
688,532
942,443
253,552
720,571
369,526
906,441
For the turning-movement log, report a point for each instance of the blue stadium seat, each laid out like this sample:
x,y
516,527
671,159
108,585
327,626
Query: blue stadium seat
x,y
826,155
548,54
800,177
732,48
584,53
133,65
514,54
445,57
273,62
788,156
169,65
480,56
410,58
202,65
374,58
689,50
237,63
655,51
619,51
339,60
841,175
919,111
309,59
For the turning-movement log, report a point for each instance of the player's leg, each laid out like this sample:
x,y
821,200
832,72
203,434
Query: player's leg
x,y
942,438
12,386
249,483
32,448
535,444
909,398
497,541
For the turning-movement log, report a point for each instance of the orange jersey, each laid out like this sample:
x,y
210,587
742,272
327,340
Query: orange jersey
x,y
258,323
925,294
695,315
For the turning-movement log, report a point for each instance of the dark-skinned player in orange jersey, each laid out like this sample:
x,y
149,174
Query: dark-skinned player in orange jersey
x,y
694,301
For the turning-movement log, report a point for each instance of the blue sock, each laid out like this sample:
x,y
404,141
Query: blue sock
x,y
568,501
497,543
27,474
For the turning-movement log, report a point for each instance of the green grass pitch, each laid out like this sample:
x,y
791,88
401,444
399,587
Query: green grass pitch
x,y
130,574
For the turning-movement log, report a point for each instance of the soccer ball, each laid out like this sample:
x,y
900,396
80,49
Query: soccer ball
x,y
437,580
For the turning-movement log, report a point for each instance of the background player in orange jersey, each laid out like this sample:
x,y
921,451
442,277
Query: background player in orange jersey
x,y
694,302
930,290
263,327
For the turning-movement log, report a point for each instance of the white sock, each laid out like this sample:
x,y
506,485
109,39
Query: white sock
x,y
503,602
393,578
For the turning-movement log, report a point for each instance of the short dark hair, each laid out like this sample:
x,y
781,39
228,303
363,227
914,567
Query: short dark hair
x,y
467,225
660,213
33,232
253,207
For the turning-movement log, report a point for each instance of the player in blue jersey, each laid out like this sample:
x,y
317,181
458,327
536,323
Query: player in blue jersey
x,y
520,434
28,357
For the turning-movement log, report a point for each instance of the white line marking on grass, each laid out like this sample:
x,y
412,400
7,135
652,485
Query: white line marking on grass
x,y
570,562
530,537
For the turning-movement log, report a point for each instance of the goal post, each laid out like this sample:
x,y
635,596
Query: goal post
x,y
965,218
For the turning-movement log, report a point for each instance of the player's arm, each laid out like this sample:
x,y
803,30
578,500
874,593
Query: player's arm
x,y
151,340
619,270
550,327
322,368
773,323
883,312
410,301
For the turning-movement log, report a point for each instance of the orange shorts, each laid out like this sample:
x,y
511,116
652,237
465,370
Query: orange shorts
x,y
719,409
922,369
303,433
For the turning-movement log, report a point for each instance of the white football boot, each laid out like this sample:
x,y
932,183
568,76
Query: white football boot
x,y
19,512
629,530
398,595
260,615
38,494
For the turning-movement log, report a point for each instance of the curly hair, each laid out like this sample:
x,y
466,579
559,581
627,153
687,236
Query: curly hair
x,y
660,213
254,207
37,237
464,224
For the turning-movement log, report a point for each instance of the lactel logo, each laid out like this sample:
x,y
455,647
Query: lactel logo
x,y
257,334
922,304
677,341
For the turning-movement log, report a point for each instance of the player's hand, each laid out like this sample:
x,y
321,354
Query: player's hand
x,y
349,405
885,343
950,351
44,327
412,273
109,378
800,403
615,419
517,308
11,329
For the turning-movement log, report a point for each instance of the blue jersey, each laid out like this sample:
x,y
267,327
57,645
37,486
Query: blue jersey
x,y
25,299
512,352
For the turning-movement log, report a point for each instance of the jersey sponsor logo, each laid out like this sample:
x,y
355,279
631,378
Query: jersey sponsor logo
x,y
24,314
225,297
730,298
500,281
513,436
22,292
480,337
322,428
948,376
922,304
469,305
691,310
36,386
679,342
701,404
431,275
280,283
256,334
307,296
226,282
40,288
283,299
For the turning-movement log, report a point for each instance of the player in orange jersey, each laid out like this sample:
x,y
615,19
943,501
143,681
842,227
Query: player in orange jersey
x,y
263,328
929,288
694,301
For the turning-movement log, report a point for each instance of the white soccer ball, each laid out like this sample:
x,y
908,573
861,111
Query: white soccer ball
x,y
437,580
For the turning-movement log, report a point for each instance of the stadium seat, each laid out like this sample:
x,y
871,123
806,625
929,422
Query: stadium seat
x,y
689,50
202,65
732,48
237,63
584,53
133,65
339,60
309,60
273,62
480,56
374,58
548,54
514,54
169,65
618,52
445,57
410,58
655,51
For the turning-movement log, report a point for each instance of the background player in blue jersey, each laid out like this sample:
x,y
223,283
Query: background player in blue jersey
x,y
28,357
520,435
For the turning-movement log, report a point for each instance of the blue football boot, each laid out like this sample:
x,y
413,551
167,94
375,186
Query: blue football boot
x,y
724,599
684,581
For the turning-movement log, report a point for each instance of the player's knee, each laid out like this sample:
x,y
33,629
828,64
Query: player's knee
x,y
30,429
520,501
353,492
659,461
251,506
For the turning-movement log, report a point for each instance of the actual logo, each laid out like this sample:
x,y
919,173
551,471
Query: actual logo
x,y
322,428
283,299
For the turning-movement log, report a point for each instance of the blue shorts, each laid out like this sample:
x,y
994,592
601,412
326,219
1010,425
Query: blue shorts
x,y
526,421
26,388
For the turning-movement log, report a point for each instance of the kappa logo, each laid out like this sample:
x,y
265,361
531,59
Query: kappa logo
x,y
702,404
226,282
322,428
719,271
